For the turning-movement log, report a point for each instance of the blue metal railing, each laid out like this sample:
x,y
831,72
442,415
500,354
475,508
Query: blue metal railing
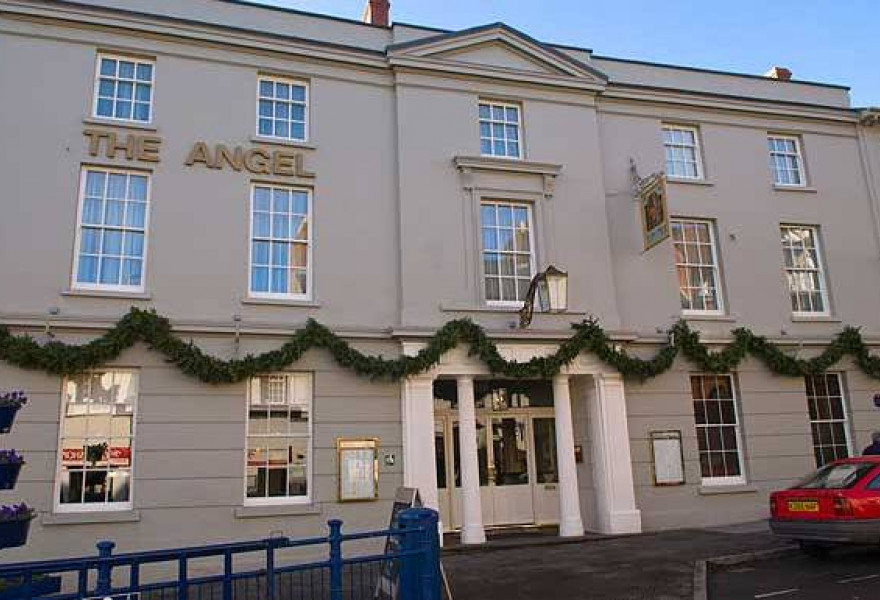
x,y
415,574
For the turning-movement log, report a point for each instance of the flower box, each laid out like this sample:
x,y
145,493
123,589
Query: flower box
x,y
10,402
42,585
15,524
9,474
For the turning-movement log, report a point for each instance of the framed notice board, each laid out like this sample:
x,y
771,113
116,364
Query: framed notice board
x,y
358,461
667,458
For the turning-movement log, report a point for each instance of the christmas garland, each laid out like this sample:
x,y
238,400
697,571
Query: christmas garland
x,y
155,331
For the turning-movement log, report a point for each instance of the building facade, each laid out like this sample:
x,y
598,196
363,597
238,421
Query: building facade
x,y
241,169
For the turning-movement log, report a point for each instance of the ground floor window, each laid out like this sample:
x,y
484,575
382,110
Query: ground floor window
x,y
96,449
828,417
718,433
279,438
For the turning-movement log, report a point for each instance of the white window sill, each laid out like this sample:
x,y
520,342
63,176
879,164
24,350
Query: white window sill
x,y
120,123
736,488
86,518
721,318
276,510
500,308
281,302
794,188
88,293
685,180
260,139
815,319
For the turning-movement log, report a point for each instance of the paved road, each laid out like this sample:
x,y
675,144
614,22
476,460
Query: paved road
x,y
848,574
651,567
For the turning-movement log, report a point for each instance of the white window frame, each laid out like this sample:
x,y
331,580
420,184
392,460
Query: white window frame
x,y
820,270
519,128
74,282
697,147
728,480
845,421
307,107
97,82
310,475
532,250
716,267
309,246
90,507
799,156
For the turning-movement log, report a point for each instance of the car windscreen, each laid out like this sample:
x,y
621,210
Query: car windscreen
x,y
836,477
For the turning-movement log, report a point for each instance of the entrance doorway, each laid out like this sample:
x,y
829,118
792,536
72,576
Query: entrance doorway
x,y
516,452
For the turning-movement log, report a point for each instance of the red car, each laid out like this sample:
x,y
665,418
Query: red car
x,y
838,504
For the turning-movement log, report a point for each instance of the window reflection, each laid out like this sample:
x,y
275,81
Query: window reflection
x,y
96,438
279,436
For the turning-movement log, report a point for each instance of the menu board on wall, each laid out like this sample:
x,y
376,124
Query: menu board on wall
x,y
668,458
358,469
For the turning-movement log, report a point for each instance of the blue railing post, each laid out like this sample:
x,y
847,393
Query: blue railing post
x,y
104,581
420,574
335,559
271,544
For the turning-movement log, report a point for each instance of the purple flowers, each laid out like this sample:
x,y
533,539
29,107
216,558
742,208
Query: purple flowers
x,y
16,512
10,457
15,399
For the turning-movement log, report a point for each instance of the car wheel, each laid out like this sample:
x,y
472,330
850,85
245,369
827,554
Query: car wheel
x,y
815,550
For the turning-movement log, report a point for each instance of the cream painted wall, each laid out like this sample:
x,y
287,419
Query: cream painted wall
x,y
197,263
189,454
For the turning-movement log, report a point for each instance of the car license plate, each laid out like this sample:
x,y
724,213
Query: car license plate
x,y
803,506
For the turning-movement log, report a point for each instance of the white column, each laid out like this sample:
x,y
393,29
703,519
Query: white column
x,y
419,459
616,510
570,523
472,511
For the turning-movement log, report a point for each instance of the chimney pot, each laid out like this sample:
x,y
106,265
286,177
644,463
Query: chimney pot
x,y
377,12
780,73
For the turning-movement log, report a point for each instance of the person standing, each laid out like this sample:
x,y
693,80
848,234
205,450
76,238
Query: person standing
x,y
874,448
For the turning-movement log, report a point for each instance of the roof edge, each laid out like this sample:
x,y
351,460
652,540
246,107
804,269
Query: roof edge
x,y
719,72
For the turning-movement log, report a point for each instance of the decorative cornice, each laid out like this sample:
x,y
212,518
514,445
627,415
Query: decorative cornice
x,y
869,117
466,165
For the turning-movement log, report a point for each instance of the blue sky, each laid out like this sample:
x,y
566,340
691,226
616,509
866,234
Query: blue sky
x,y
819,40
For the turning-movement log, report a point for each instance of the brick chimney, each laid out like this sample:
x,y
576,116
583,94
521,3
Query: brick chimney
x,y
376,12
780,73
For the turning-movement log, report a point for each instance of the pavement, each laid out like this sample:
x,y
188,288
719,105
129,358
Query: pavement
x,y
851,573
655,566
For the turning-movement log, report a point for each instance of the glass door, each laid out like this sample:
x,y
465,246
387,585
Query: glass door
x,y
509,481
546,493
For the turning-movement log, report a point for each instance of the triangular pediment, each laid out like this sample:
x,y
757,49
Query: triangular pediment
x,y
496,51
501,55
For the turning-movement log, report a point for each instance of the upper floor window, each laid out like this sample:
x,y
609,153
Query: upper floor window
x,y
786,161
280,242
508,256
804,270
124,88
718,432
500,130
682,148
828,417
282,108
699,282
111,236
279,439
96,449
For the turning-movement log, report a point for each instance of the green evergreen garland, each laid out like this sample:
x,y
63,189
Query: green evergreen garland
x,y
148,327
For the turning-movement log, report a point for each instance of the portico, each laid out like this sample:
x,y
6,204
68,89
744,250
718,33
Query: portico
x,y
490,452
